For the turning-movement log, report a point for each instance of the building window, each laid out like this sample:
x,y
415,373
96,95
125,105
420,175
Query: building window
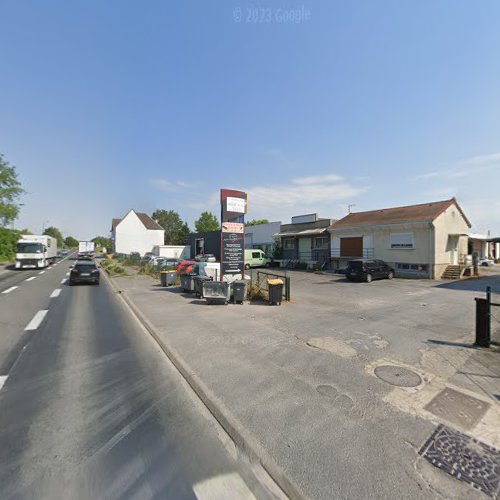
x,y
321,243
402,240
289,244
417,268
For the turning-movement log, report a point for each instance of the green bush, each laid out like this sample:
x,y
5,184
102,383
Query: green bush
x,y
8,241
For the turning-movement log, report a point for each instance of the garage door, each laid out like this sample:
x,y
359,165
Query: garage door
x,y
351,247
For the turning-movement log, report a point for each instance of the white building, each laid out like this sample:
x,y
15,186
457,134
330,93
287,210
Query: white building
x,y
261,236
136,232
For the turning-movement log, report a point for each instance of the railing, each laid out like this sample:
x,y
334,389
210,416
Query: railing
x,y
367,253
263,276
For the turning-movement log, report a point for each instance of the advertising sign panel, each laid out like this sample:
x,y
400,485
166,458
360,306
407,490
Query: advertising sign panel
x,y
233,248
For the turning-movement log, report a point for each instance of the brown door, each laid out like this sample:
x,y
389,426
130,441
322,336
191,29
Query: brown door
x,y
351,247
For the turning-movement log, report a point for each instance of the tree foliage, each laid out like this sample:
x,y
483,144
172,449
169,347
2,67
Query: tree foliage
x,y
8,240
256,222
101,241
206,223
70,242
10,190
55,233
176,230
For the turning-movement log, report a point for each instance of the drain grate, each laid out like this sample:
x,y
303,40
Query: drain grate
x,y
396,375
464,458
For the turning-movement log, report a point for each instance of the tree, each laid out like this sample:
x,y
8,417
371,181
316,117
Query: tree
x,y
103,242
8,241
176,230
55,233
10,190
256,222
206,223
70,242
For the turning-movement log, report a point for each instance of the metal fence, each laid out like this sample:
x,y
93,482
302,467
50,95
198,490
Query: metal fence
x,y
368,253
488,319
263,276
495,318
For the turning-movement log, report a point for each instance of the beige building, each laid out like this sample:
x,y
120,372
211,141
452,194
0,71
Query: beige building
x,y
417,240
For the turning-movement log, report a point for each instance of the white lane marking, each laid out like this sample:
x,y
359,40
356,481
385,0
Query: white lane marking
x,y
3,379
223,486
55,293
30,279
11,289
63,281
41,272
37,319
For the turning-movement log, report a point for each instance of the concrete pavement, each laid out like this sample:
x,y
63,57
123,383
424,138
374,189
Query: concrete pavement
x,y
314,412
92,408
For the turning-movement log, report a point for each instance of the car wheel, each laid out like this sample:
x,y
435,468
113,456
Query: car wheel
x,y
70,283
97,282
390,275
369,278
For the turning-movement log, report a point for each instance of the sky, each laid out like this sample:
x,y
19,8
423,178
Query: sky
x,y
309,106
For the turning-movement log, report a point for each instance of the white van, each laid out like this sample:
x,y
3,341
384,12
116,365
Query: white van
x,y
254,257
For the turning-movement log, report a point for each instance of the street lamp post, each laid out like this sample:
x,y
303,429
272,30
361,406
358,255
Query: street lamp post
x,y
43,225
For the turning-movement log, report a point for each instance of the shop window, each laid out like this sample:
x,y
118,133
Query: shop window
x,y
289,244
321,243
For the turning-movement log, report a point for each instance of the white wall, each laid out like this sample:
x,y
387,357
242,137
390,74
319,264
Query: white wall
x,y
262,234
173,251
132,236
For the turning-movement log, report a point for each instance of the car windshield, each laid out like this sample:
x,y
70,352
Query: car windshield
x,y
29,248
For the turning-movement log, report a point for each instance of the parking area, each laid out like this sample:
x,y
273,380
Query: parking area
x,y
397,318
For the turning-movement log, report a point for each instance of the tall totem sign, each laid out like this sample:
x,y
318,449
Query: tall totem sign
x,y
233,210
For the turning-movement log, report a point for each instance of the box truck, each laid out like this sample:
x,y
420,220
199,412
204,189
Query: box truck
x,y
86,249
35,251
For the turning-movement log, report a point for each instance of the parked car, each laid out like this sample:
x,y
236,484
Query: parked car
x,y
84,271
208,257
368,270
486,262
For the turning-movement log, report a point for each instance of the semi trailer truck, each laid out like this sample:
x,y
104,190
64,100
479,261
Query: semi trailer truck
x,y
86,249
35,251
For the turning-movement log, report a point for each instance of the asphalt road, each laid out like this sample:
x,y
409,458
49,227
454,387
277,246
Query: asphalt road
x,y
91,408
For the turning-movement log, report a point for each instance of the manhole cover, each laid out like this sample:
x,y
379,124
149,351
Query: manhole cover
x,y
464,458
457,407
395,375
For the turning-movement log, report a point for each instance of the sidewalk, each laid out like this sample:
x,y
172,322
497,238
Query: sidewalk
x,y
313,412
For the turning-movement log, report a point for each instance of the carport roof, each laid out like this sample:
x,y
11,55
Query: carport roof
x,y
304,232
410,213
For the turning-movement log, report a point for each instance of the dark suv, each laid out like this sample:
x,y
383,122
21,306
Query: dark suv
x,y
84,271
368,270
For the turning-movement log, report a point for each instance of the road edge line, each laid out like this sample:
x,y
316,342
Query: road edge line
x,y
242,438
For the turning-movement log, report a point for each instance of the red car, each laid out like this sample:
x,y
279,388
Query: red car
x,y
186,266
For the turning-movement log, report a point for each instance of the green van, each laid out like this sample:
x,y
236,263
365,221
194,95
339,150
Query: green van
x,y
255,257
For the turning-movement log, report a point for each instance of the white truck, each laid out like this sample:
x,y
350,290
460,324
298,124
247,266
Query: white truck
x,y
86,249
35,251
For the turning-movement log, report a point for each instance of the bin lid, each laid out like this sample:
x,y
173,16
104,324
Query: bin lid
x,y
275,282
168,272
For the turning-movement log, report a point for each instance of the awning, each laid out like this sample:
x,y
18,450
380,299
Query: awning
x,y
304,232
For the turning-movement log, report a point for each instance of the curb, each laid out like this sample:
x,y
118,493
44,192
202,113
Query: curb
x,y
241,437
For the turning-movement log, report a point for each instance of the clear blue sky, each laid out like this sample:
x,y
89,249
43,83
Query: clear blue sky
x,y
111,105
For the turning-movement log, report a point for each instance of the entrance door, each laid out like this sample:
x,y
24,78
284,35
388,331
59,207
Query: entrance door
x,y
305,249
453,242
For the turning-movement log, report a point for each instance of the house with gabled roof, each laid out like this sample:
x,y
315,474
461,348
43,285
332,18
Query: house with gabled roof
x,y
136,232
428,240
